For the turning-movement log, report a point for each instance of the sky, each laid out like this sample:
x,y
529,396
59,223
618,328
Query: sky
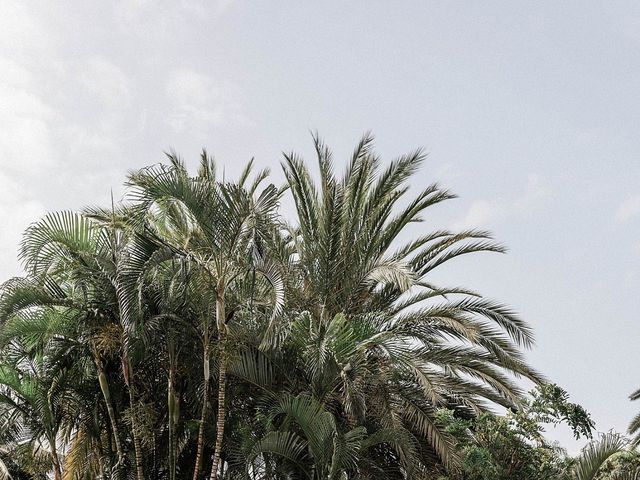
x,y
529,112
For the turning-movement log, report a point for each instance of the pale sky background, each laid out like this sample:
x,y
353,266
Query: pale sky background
x,y
530,112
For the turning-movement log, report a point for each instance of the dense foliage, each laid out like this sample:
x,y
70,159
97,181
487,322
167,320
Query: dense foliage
x,y
192,332
513,446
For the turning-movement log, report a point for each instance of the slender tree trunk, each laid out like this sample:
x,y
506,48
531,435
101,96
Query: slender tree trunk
x,y
137,446
101,473
222,383
172,456
57,472
99,453
203,414
102,470
106,394
172,402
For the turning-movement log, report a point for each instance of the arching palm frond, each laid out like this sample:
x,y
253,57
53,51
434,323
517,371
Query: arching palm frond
x,y
634,426
373,336
596,453
192,329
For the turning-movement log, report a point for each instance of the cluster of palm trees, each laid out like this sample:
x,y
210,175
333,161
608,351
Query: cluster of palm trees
x,y
193,332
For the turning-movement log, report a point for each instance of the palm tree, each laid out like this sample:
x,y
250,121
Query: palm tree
x,y
96,271
128,314
596,453
634,426
71,267
29,395
221,228
21,455
305,426
375,338
77,283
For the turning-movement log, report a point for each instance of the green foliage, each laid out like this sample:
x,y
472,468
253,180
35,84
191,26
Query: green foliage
x,y
494,447
620,466
193,331
550,405
634,426
513,446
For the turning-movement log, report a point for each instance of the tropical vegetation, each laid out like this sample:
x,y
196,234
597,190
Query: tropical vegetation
x,y
194,331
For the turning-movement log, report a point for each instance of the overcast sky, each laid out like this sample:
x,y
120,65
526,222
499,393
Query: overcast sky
x,y
530,112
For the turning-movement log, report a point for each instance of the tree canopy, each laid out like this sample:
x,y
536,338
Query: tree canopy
x,y
190,331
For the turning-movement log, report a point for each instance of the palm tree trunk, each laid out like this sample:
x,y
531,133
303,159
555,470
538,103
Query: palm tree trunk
x,y
222,383
203,414
101,473
106,394
99,454
172,403
172,453
137,446
57,472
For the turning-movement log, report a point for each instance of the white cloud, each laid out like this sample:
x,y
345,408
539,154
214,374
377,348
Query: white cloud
x,y
199,103
17,211
485,213
161,17
13,74
25,143
26,126
536,192
186,87
482,213
20,29
63,114
628,209
106,82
